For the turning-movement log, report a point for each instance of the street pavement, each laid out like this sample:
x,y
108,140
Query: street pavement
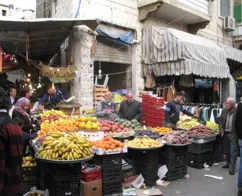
x,y
198,185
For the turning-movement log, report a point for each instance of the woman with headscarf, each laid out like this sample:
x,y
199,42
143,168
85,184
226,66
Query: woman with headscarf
x,y
20,111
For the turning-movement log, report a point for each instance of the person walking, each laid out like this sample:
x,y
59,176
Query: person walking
x,y
11,151
238,128
229,135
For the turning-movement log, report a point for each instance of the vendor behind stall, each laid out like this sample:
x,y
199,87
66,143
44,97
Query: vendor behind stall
x,y
106,108
53,96
130,109
173,109
20,110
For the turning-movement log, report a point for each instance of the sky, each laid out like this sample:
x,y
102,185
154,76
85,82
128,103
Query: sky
x,y
27,4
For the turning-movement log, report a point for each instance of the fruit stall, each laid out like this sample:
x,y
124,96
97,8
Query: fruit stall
x,y
76,155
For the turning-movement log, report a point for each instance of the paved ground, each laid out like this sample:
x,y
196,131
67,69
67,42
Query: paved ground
x,y
198,185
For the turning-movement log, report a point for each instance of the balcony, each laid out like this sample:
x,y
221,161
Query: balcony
x,y
188,12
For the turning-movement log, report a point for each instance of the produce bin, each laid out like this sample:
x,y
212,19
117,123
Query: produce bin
x,y
200,148
113,161
197,160
169,152
176,173
29,178
92,175
112,187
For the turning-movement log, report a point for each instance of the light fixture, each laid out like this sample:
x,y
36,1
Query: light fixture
x,y
29,75
28,79
58,69
99,71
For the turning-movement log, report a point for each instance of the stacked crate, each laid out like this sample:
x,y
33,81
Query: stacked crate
x,y
98,94
111,173
200,153
154,113
218,154
175,159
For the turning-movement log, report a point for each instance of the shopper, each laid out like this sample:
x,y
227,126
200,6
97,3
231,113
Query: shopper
x,y
20,111
130,109
11,148
53,96
106,108
26,92
238,128
12,95
229,135
173,109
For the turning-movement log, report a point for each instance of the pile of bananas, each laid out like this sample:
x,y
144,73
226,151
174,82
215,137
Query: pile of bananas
x,y
212,125
143,143
58,147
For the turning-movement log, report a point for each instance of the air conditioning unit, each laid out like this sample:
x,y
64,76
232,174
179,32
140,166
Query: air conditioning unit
x,y
229,23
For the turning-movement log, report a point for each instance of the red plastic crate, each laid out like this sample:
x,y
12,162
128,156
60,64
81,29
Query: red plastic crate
x,y
91,175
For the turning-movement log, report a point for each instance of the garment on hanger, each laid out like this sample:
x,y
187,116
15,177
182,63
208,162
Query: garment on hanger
x,y
169,94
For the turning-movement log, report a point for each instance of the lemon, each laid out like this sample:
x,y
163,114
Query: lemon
x,y
94,126
89,122
88,126
83,125
94,119
83,119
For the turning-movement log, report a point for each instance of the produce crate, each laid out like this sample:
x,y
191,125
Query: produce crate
x,y
169,152
145,157
150,181
27,184
113,161
218,154
198,160
92,175
112,187
176,162
128,169
176,173
145,170
29,178
111,174
201,148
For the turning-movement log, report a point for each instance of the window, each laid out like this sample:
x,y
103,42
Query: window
x,y
225,8
4,12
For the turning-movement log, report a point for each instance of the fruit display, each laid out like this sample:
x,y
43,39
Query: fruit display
x,y
89,111
133,124
120,135
212,125
146,133
176,137
143,143
112,127
52,115
108,143
162,130
65,125
201,131
58,147
29,161
187,124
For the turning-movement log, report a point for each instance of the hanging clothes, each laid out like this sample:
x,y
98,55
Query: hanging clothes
x,y
186,81
169,94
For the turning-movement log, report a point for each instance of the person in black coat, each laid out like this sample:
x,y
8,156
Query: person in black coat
x,y
20,111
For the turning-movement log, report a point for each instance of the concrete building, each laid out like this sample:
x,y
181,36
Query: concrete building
x,y
4,10
202,17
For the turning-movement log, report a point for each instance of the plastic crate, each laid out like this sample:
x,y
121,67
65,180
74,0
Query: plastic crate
x,y
177,161
176,173
27,184
29,173
150,181
169,152
128,169
218,158
198,160
95,174
111,174
200,148
113,161
146,171
148,158
112,187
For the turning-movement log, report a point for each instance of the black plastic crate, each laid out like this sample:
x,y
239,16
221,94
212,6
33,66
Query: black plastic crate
x,y
128,169
169,152
200,148
177,161
29,173
150,181
198,160
145,157
65,186
27,184
176,173
112,187
146,171
109,161
111,174
218,148
218,158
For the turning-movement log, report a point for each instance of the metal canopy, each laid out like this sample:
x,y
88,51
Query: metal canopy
x,y
45,35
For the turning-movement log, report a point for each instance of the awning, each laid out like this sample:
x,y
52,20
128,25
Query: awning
x,y
234,58
121,39
44,36
172,52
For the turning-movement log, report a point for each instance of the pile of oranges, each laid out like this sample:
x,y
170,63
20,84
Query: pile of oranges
x,y
108,144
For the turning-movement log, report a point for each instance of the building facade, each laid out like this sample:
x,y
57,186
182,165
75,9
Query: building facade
x,y
201,17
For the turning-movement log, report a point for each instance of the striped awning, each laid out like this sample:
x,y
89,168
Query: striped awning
x,y
172,52
234,59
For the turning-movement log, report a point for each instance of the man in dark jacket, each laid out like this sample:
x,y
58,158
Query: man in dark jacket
x,y
173,109
238,128
11,148
229,135
130,109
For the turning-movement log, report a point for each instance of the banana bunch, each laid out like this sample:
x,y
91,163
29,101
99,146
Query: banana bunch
x,y
143,143
58,147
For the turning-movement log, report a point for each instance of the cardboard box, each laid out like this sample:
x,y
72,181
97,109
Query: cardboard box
x,y
100,151
93,188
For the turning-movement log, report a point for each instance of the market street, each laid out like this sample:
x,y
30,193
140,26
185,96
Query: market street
x,y
198,185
